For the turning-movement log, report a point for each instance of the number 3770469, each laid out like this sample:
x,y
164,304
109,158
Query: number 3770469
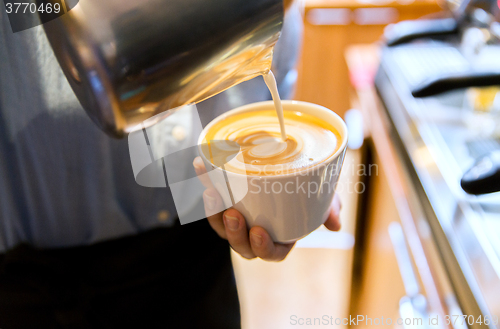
x,y
26,7
470,319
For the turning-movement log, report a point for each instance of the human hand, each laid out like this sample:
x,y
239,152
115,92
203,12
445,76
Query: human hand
x,y
231,225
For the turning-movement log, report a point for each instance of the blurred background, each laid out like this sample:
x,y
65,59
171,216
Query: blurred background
x,y
418,83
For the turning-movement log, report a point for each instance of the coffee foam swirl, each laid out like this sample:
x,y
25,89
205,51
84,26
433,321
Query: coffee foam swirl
x,y
262,151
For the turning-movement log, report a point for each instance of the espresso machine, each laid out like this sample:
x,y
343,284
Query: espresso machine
x,y
440,101
459,51
128,61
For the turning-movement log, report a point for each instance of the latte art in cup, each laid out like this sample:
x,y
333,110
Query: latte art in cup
x,y
284,184
256,138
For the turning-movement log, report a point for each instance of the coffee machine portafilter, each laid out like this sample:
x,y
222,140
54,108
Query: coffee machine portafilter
x,y
129,60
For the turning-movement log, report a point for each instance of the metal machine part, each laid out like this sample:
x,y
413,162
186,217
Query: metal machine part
x,y
130,60
431,139
484,176
463,13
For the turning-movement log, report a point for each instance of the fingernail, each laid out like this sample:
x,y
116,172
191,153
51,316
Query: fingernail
x,y
231,222
198,163
256,239
210,201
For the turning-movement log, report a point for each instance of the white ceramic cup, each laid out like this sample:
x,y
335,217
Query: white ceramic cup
x,y
287,206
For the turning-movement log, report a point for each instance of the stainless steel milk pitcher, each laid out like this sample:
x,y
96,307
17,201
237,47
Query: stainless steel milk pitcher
x,y
128,60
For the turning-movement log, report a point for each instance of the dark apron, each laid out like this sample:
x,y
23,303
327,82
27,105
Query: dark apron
x,y
178,277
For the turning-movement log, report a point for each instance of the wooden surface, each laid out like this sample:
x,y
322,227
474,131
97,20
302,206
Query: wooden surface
x,y
323,74
391,200
380,287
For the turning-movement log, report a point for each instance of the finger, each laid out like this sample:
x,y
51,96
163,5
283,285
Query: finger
x,y
237,233
201,172
213,210
333,221
264,247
